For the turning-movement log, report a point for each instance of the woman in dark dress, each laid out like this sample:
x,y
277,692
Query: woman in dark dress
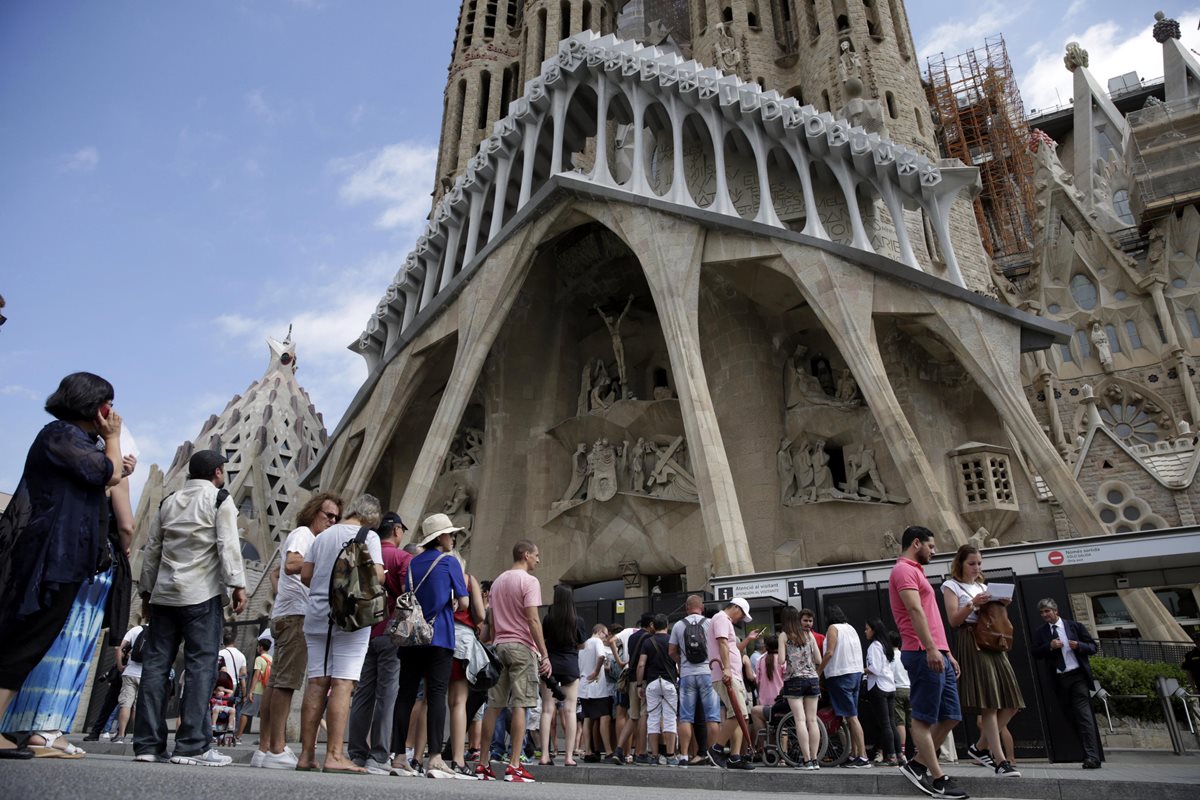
x,y
565,633
63,544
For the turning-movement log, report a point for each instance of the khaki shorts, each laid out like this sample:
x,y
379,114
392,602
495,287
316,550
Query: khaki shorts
x,y
518,684
129,692
739,692
635,702
290,667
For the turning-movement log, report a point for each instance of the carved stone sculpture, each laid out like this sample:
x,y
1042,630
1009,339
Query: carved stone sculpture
x,y
787,471
671,478
466,449
729,57
603,395
803,463
847,387
849,62
580,465
890,547
456,507
859,465
822,475
1075,57
637,468
602,462
614,330
982,538
802,388
585,389
1103,348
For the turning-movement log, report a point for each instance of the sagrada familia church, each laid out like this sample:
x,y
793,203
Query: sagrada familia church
x,y
716,287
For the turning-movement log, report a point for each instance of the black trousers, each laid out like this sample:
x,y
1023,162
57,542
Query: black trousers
x,y
1075,695
111,696
433,665
883,708
28,639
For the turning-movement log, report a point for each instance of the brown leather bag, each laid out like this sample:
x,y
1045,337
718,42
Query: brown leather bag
x,y
993,630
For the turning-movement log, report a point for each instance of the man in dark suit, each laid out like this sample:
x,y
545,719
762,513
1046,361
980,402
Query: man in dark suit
x,y
1066,646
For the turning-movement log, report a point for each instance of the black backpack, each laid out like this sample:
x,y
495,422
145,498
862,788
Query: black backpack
x,y
695,642
135,651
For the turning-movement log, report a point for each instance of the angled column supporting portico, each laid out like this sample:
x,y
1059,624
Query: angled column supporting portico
x,y
841,295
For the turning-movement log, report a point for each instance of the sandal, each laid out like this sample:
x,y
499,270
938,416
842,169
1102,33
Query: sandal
x,y
48,748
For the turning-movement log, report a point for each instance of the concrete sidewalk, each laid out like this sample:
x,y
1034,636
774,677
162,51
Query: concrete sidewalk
x,y
1127,774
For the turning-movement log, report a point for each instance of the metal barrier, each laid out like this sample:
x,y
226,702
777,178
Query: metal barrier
x,y
1144,650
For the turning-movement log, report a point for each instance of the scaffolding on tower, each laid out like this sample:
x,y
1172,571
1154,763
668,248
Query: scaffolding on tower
x,y
980,119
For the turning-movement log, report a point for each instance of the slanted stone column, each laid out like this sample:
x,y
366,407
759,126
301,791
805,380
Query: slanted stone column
x,y
988,348
842,297
1152,618
670,250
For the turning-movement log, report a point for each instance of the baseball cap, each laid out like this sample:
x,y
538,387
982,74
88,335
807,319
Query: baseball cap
x,y
741,603
204,463
394,519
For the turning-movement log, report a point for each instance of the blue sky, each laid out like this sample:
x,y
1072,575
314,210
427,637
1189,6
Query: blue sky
x,y
180,180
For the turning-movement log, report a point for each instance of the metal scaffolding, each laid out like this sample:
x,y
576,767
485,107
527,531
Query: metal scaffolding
x,y
980,119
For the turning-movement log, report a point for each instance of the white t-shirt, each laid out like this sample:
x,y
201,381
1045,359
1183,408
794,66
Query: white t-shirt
x,y
879,669
292,597
322,554
593,650
899,673
133,669
235,663
965,592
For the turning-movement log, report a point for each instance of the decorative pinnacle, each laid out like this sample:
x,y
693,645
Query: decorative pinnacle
x,y
1164,28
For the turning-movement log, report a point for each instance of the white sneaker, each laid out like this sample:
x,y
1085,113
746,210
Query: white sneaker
x,y
152,758
441,771
284,760
211,758
256,760
375,768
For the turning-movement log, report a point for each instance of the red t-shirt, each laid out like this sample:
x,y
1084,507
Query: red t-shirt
x,y
512,593
395,565
908,574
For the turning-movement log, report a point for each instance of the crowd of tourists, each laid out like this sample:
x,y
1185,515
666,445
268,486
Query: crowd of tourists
x,y
413,666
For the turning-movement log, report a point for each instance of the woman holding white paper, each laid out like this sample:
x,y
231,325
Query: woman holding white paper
x,y
987,684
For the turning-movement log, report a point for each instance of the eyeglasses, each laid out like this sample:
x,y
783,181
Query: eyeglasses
x,y
331,517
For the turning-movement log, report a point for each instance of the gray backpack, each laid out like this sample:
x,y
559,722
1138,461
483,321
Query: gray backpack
x,y
409,626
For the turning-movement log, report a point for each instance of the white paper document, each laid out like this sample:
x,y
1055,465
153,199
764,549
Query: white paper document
x,y
1001,591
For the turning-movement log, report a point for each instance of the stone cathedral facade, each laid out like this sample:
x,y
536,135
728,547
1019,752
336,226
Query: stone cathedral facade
x,y
698,296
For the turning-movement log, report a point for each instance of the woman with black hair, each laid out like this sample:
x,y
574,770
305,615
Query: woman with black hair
x,y
565,634
881,690
55,534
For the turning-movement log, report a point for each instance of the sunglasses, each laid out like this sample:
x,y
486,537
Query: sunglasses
x,y
331,517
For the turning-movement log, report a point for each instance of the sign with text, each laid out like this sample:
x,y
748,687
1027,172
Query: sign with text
x,y
1065,555
770,587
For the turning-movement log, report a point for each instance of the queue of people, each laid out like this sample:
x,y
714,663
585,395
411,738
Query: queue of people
x,y
395,643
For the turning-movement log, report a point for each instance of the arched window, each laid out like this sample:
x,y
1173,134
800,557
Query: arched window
x,y
1131,330
727,14
485,91
1084,292
1121,205
1193,322
891,104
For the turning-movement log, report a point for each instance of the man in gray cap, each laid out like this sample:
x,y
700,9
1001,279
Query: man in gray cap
x,y
193,556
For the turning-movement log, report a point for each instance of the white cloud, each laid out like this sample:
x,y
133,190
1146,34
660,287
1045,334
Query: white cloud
x,y
977,23
84,159
258,106
396,177
1112,51
19,391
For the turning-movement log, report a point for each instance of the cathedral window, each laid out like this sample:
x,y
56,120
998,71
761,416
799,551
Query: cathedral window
x,y
814,24
1120,201
727,14
873,28
564,20
984,478
898,28
891,104
489,20
1085,346
1128,419
512,13
1122,511
1131,330
1065,352
752,16
1084,292
587,16
485,90
1114,341
1193,322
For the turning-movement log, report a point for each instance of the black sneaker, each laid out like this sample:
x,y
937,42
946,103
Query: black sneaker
x,y
592,758
945,787
737,762
981,757
642,759
717,756
92,737
918,776
1007,770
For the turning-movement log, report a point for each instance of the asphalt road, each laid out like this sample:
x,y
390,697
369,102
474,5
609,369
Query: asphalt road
x,y
113,776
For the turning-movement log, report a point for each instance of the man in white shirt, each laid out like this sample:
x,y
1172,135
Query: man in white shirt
x,y
1065,646
232,662
595,697
290,666
131,677
193,556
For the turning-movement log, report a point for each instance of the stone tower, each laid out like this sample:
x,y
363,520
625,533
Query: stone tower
x,y
498,46
270,434
813,50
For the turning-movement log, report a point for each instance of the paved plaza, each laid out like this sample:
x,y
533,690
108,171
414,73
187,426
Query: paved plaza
x,y
108,769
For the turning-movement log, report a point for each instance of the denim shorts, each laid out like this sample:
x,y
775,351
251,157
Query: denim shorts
x,y
934,695
843,693
801,687
693,687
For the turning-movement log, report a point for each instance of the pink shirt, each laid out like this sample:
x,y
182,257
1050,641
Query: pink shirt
x,y
769,684
908,574
722,627
512,593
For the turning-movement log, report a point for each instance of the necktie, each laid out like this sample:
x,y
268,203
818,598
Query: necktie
x,y
1054,634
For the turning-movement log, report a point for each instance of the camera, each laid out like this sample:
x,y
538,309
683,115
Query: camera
x,y
554,686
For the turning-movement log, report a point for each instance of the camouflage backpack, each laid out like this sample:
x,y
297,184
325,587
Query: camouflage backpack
x,y
356,597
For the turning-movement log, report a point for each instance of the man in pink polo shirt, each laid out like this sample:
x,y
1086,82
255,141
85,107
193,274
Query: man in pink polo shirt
x,y
925,654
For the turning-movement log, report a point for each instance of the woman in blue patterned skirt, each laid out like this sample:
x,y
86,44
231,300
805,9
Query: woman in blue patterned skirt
x,y
45,707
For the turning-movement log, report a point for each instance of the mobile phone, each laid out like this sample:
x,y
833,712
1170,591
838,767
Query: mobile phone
x,y
105,410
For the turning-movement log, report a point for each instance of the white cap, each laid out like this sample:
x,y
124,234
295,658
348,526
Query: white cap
x,y
741,603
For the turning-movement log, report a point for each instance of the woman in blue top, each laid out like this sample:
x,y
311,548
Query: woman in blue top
x,y
437,578
58,540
